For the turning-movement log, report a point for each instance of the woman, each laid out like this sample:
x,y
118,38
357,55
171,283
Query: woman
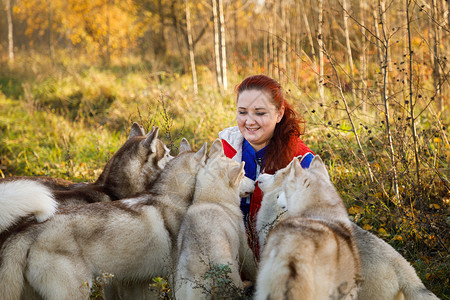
x,y
267,138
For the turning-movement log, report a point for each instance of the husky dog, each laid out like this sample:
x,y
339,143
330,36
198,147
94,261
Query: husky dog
x,y
53,183
311,252
134,239
386,274
270,213
33,198
213,232
131,170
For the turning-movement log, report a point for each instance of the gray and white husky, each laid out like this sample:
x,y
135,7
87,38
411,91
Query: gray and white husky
x,y
212,233
311,253
385,273
134,239
132,169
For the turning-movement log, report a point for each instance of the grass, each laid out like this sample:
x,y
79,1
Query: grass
x,y
65,119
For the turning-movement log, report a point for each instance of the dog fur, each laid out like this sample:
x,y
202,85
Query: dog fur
x,y
20,198
311,253
386,274
134,239
131,170
213,232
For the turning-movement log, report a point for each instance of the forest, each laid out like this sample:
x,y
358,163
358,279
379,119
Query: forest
x,y
369,77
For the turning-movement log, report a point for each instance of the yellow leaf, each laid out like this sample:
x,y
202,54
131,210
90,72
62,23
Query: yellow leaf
x,y
383,232
398,238
435,206
367,227
353,210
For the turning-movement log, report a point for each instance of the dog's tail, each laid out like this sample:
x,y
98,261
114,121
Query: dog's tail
x,y
12,265
285,278
410,284
20,198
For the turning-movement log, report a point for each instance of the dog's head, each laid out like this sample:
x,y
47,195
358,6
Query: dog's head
x,y
179,175
221,175
272,185
305,188
137,164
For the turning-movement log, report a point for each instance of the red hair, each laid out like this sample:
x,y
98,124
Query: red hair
x,y
282,146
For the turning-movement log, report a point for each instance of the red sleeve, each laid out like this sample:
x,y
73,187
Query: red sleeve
x,y
301,148
229,151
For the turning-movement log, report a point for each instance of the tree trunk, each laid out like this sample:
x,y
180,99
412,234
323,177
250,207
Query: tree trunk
x,y
436,57
363,56
51,46
284,41
250,58
384,67
349,49
271,45
320,42
313,51
276,54
190,46
265,54
411,105
297,42
107,56
223,46
217,45
161,45
9,19
448,13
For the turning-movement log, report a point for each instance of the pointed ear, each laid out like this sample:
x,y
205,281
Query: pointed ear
x,y
291,168
136,130
318,165
184,145
201,154
216,149
152,130
236,174
297,167
151,139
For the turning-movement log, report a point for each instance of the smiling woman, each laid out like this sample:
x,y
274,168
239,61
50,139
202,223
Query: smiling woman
x,y
257,117
267,137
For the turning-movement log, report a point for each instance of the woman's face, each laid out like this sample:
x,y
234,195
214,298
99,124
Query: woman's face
x,y
257,117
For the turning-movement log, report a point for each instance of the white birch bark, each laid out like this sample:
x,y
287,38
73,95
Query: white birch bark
x,y
191,46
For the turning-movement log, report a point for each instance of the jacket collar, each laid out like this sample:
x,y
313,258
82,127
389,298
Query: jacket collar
x,y
233,137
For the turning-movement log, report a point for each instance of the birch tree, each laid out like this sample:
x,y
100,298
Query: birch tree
x,y
384,66
9,20
217,45
345,6
436,55
190,46
223,50
321,47
363,55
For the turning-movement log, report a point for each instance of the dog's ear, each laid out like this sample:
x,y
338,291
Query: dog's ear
x,y
292,170
150,141
184,145
318,165
151,130
216,149
236,174
201,154
136,130
297,167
